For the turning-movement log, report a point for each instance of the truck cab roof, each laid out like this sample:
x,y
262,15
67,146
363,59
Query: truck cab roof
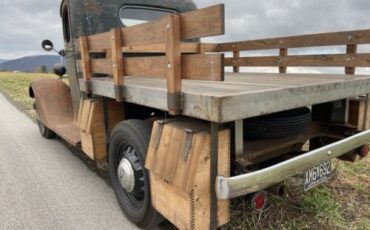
x,y
82,18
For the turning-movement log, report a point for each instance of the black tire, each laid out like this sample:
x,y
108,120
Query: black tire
x,y
45,131
133,134
283,124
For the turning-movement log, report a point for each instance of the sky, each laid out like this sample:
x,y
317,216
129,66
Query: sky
x,y
25,23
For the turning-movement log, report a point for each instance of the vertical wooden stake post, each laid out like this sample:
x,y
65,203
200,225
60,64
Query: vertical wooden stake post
x,y
236,55
117,62
351,49
283,53
173,57
86,64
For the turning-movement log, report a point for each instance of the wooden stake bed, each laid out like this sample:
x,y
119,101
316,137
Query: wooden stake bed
x,y
172,74
240,95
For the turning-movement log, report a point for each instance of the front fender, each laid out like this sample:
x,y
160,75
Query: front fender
x,y
53,101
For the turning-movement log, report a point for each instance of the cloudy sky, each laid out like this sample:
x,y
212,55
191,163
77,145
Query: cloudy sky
x,y
24,23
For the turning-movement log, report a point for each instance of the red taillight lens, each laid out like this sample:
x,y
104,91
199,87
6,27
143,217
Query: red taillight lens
x,y
259,200
364,151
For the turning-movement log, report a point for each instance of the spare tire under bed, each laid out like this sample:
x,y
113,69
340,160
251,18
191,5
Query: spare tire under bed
x,y
278,125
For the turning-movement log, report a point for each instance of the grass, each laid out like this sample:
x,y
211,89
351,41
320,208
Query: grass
x,y
15,86
341,203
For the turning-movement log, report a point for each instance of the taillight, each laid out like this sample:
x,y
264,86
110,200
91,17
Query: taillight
x,y
259,200
364,151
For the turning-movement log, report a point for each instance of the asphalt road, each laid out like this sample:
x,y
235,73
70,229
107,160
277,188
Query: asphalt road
x,y
43,185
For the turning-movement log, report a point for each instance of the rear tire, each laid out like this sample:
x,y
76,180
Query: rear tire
x,y
45,131
128,146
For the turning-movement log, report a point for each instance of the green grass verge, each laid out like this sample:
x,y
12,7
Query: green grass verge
x,y
15,86
342,203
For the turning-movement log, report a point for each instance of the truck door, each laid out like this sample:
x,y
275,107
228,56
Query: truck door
x,y
70,58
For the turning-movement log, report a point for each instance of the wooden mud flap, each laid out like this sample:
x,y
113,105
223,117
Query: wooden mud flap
x,y
179,164
93,128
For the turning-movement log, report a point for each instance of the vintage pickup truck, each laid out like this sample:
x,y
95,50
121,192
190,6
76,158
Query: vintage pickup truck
x,y
182,135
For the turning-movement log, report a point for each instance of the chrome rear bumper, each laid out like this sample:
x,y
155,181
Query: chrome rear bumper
x,y
248,183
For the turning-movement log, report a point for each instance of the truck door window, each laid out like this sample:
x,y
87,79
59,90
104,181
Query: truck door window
x,y
66,29
134,15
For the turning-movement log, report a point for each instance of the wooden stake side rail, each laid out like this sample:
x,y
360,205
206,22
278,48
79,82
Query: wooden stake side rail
x,y
350,60
323,60
163,36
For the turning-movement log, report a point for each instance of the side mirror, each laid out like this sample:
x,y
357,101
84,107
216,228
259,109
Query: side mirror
x,y
47,45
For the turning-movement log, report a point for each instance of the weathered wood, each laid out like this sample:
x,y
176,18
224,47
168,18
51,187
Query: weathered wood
x,y
181,138
193,67
236,56
85,56
92,127
242,95
99,41
203,23
173,61
324,60
324,39
357,114
189,208
93,134
117,59
283,52
195,24
186,47
351,49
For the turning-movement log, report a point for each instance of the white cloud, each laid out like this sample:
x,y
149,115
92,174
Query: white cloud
x,y
25,23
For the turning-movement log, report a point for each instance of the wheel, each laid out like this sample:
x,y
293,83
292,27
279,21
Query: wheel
x,y
130,180
45,131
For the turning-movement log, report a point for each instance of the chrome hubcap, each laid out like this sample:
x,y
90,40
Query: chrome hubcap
x,y
126,175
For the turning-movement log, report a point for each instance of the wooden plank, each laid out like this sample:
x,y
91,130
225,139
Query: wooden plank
x,y
283,52
143,34
195,24
234,100
351,49
325,60
190,208
324,39
99,41
186,47
236,56
203,23
174,167
206,67
173,60
160,48
117,58
85,57
102,66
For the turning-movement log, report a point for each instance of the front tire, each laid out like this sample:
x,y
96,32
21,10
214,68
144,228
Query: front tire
x,y
45,131
130,180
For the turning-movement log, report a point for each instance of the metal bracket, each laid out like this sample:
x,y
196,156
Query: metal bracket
x,y
188,143
88,87
118,93
239,138
161,124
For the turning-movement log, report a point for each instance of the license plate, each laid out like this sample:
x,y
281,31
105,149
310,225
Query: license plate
x,y
316,175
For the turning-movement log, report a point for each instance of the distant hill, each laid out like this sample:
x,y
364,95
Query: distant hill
x,y
3,60
30,63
